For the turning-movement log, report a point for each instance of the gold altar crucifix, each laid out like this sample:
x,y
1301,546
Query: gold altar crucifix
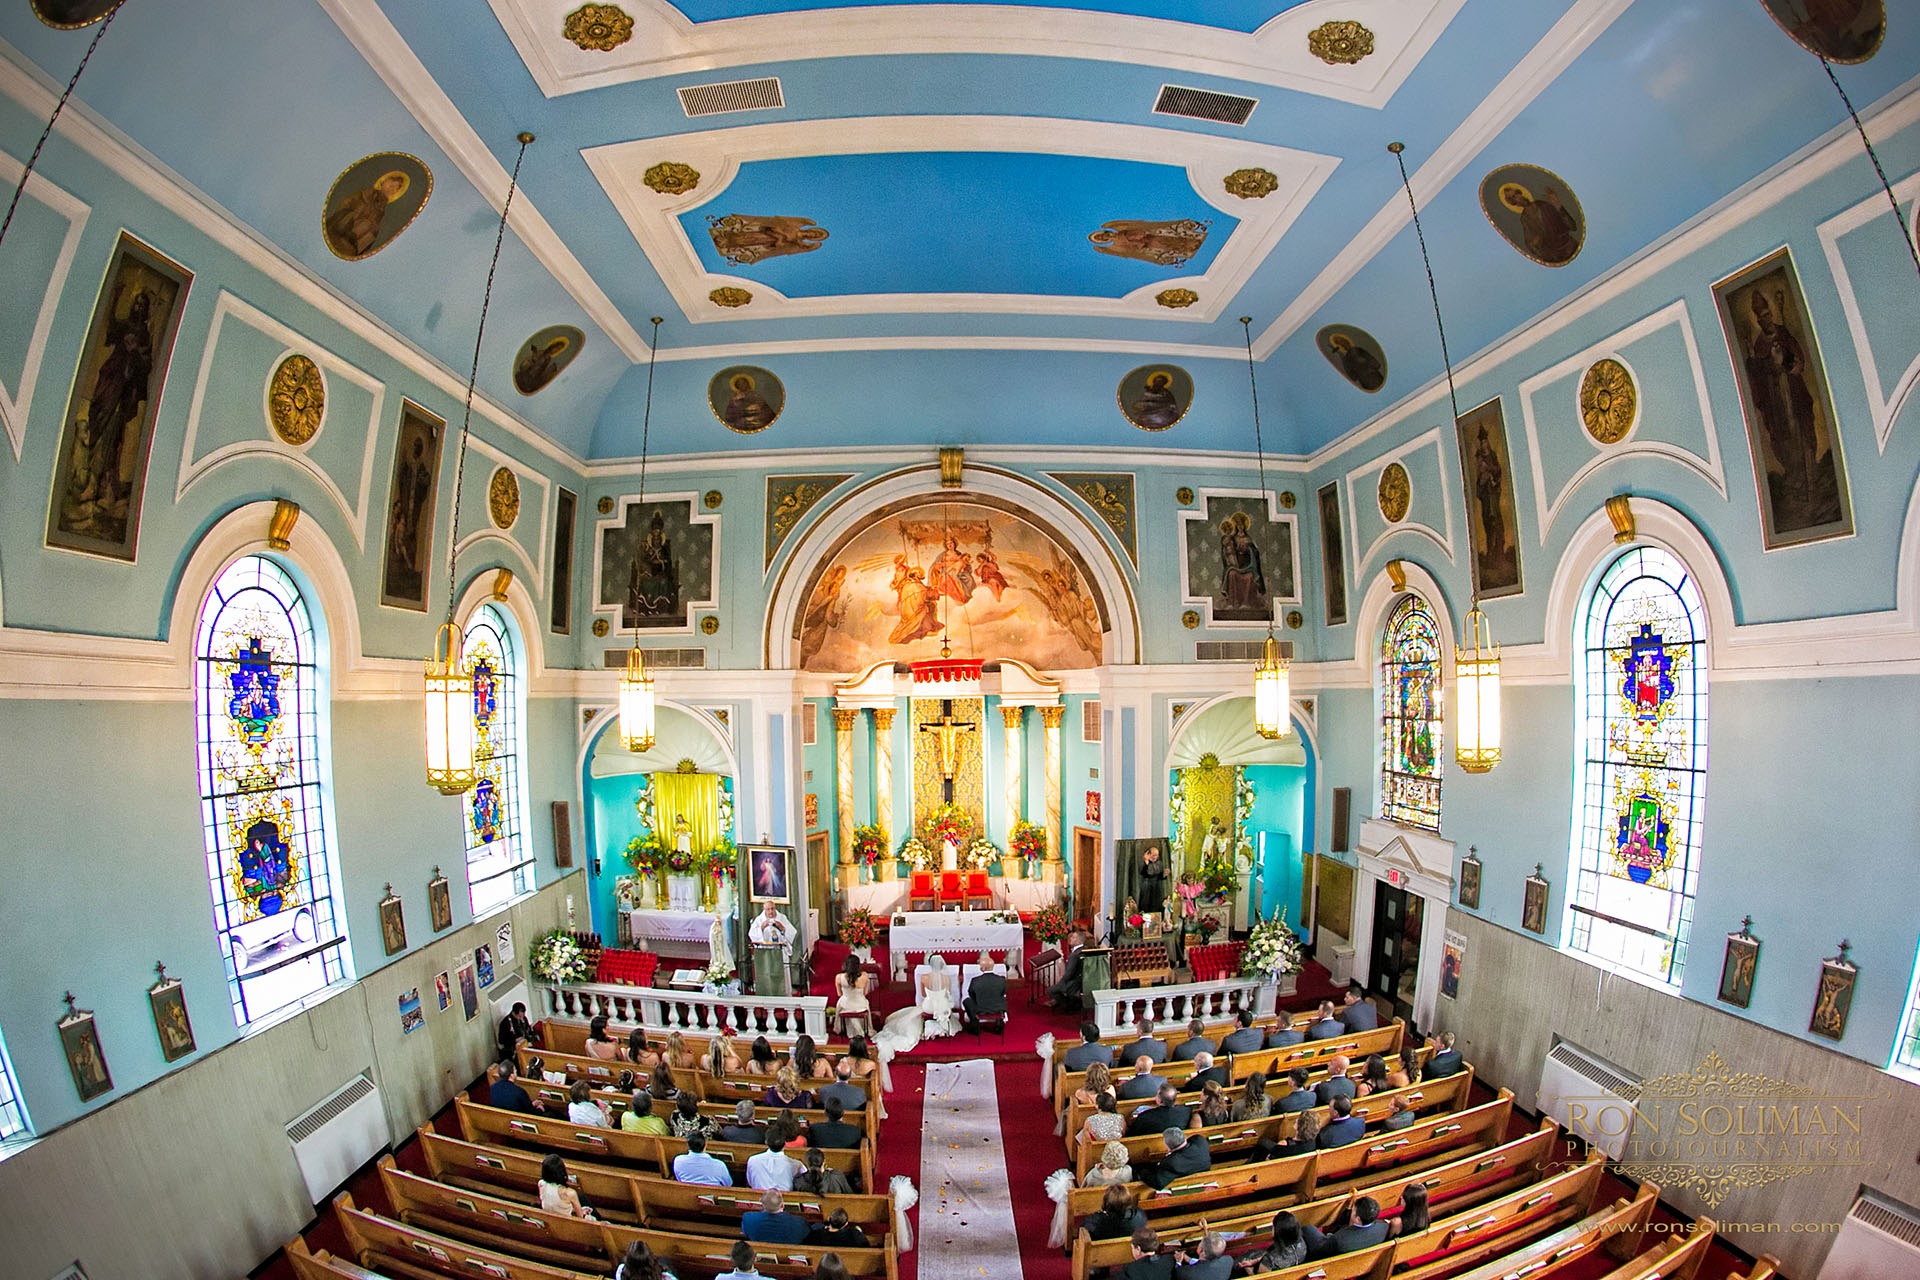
x,y
946,733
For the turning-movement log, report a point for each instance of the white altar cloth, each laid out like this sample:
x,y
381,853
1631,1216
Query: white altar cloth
x,y
688,927
968,933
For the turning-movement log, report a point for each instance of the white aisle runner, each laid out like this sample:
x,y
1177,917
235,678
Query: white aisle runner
x,y
966,1209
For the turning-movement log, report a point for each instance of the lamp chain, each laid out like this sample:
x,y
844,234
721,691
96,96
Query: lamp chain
x,y
646,428
1453,400
1259,445
466,422
26,173
1907,234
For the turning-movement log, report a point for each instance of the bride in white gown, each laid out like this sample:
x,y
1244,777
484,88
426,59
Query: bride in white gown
x,y
930,1016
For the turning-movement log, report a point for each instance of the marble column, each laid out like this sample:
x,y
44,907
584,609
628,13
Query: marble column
x,y
844,719
1013,717
1056,837
883,772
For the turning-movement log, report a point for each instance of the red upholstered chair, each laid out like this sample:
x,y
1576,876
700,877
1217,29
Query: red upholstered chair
x,y
921,895
979,892
951,890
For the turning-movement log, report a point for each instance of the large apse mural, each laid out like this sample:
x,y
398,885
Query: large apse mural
x,y
992,584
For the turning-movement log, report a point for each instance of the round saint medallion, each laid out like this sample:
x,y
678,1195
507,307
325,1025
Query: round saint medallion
x,y
503,498
709,625
600,627
1396,493
604,506
1296,619
1609,401
296,400
1190,619
1183,496
712,499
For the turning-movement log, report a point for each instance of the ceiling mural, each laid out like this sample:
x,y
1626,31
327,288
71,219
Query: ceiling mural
x,y
983,580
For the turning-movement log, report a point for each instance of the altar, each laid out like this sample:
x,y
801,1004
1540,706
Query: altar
x,y
1010,893
968,933
686,932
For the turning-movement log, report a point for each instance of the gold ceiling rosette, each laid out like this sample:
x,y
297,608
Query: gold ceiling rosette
x,y
599,27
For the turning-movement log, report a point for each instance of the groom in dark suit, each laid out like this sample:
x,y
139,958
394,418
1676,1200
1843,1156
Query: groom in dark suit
x,y
987,994
1065,994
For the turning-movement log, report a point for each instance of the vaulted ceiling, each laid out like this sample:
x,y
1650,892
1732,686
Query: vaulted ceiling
x,y
981,195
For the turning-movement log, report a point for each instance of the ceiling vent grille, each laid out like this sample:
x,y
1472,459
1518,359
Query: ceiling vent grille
x,y
1200,104
809,724
1090,720
616,658
1237,650
734,95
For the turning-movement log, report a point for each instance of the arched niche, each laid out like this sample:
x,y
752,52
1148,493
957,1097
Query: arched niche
x,y
844,565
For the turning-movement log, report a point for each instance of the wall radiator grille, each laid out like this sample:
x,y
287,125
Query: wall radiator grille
x,y
1236,650
343,1131
734,95
1879,1237
1588,1096
1090,720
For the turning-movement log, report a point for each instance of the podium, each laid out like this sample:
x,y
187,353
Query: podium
x,y
770,970
1096,970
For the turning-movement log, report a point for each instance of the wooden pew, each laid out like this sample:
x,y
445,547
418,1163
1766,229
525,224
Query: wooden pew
x,y
602,1075
567,1035
308,1265
615,1102
1446,1094
698,1255
1619,1229
395,1249
1173,1034
528,1232
1463,1237
640,1199
1420,1144
617,1147
1676,1258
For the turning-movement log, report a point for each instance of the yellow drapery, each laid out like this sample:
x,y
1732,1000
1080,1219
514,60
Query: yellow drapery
x,y
1209,796
693,796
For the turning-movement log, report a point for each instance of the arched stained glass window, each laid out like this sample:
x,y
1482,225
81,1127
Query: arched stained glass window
x,y
498,866
1410,722
260,708
13,1116
1640,766
1906,1045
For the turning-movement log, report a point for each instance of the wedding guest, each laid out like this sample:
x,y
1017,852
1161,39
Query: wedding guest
x,y
686,1119
743,1257
1253,1102
773,1168
582,1109
678,1056
640,1118
772,1223
515,1028
599,1044
761,1064
1414,1216
557,1194
1099,1081
695,1166
837,1232
818,1180
1119,1215
785,1091
1113,1169
1143,1083
639,1263
1289,1247
505,1093
1106,1124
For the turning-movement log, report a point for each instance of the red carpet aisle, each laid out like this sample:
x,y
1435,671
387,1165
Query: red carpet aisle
x,y
899,1153
967,1226
1026,1125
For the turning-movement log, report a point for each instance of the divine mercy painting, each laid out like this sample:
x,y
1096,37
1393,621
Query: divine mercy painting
x,y
980,579
655,564
1239,558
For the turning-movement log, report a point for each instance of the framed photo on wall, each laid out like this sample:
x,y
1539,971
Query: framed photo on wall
x,y
169,1002
1737,970
769,873
80,1042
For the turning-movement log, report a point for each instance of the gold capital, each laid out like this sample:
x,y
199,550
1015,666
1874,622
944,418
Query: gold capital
x,y
1620,512
1012,717
280,524
952,460
844,717
1050,716
883,718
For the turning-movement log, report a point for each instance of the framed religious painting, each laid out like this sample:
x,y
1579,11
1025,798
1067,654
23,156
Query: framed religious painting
x,y
560,614
80,1042
1834,997
169,1003
100,472
439,902
1737,970
1470,881
410,499
1333,556
1798,466
1493,523
393,924
1533,909
769,873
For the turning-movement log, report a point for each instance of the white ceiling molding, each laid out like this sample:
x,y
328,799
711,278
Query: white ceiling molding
x,y
1709,467
1884,405
194,469
1568,38
983,342
665,42
394,61
1442,538
15,403
755,460
719,153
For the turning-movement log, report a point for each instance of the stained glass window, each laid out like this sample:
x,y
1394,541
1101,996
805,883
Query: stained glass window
x,y
259,708
498,867
1906,1046
13,1117
1410,721
1640,766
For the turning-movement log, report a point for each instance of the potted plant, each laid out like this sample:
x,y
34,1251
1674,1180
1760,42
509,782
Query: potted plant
x,y
860,931
1273,952
1050,926
869,848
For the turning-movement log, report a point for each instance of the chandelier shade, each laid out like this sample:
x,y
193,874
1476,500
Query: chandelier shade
x,y
449,707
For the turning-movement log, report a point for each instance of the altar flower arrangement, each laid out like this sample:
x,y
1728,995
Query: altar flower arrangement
x,y
1004,917
717,975
558,958
1218,875
949,822
723,860
1050,926
685,862
981,854
1028,840
1136,922
860,929
646,855
869,844
1208,926
918,852
1273,950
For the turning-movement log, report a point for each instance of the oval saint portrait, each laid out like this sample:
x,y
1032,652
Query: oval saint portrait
x,y
745,398
545,356
1837,30
1155,396
1355,353
71,15
1535,212
372,202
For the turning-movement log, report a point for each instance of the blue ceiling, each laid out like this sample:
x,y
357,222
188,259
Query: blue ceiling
x,y
260,103
1229,15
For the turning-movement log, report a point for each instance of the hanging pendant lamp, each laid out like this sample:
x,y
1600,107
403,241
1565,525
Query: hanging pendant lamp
x,y
637,708
1476,670
1273,678
449,682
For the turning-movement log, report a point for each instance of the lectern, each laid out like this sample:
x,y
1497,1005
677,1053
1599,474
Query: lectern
x,y
770,970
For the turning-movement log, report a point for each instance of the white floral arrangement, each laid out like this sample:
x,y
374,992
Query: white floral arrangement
x,y
558,958
1273,950
1004,917
718,974
982,853
918,852
1243,799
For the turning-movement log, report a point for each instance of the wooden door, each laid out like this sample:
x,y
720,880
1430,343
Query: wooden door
x,y
1086,871
820,895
